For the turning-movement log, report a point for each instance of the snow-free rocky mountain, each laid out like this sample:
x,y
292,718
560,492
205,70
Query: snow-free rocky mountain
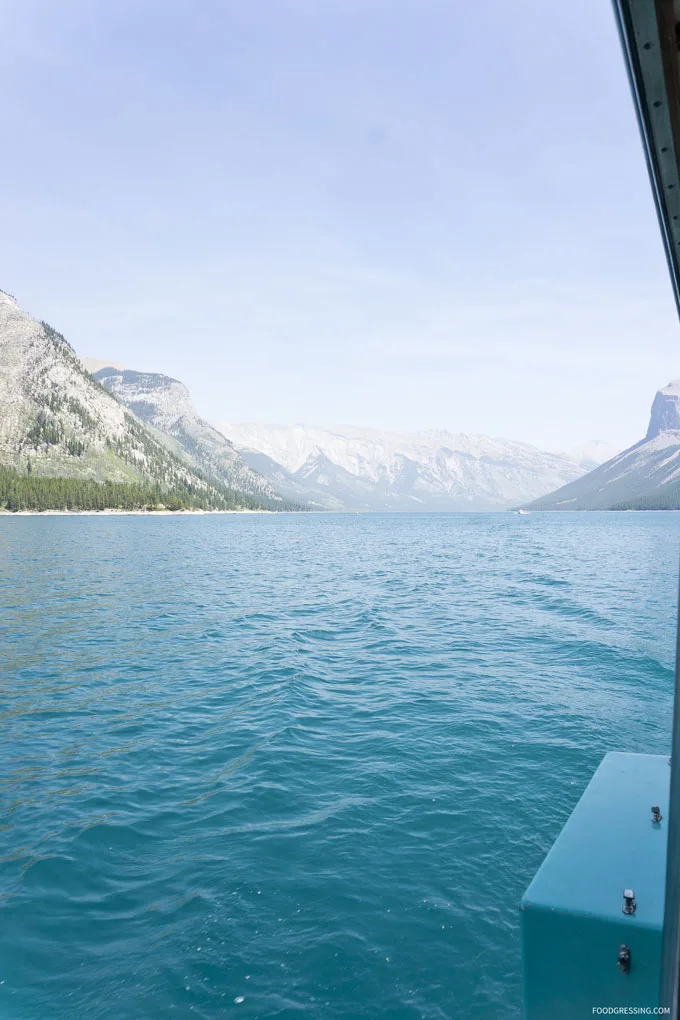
x,y
166,404
348,468
647,475
57,421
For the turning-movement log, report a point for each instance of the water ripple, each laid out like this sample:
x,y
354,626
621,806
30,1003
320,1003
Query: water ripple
x,y
306,765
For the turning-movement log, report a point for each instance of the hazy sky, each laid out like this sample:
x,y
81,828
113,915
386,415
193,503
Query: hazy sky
x,y
396,213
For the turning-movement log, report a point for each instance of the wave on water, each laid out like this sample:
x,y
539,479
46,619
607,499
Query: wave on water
x,y
306,765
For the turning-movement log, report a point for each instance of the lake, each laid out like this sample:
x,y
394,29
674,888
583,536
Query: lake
x,y
304,765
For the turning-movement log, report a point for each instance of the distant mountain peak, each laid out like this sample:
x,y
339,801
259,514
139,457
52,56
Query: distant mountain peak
x,y
665,413
94,365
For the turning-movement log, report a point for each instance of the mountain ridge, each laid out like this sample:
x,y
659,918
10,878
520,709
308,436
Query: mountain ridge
x,y
647,472
56,420
165,404
348,467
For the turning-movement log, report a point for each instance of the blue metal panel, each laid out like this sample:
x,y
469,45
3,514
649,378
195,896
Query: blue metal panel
x,y
572,918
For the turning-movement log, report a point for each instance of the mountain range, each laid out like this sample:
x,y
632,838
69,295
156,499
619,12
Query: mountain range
x,y
350,468
63,417
346,467
646,476
57,421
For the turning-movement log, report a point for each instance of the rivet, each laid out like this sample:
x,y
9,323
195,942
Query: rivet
x,y
664,148
624,959
657,103
647,46
629,903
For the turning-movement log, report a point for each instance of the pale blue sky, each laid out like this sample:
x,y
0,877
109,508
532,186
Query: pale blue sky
x,y
396,213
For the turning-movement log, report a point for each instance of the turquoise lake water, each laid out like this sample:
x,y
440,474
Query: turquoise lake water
x,y
304,765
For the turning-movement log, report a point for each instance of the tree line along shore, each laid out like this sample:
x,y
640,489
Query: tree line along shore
x,y
30,492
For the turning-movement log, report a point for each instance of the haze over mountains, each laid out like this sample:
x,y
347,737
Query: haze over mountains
x,y
589,455
345,467
351,468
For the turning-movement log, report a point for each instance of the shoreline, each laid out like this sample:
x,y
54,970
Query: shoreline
x,y
126,513
185,513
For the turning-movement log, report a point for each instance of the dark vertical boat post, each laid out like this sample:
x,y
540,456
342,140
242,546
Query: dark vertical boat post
x,y
650,39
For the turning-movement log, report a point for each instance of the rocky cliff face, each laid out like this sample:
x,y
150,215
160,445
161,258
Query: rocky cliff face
x,y
52,413
166,405
665,414
56,420
367,469
646,474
